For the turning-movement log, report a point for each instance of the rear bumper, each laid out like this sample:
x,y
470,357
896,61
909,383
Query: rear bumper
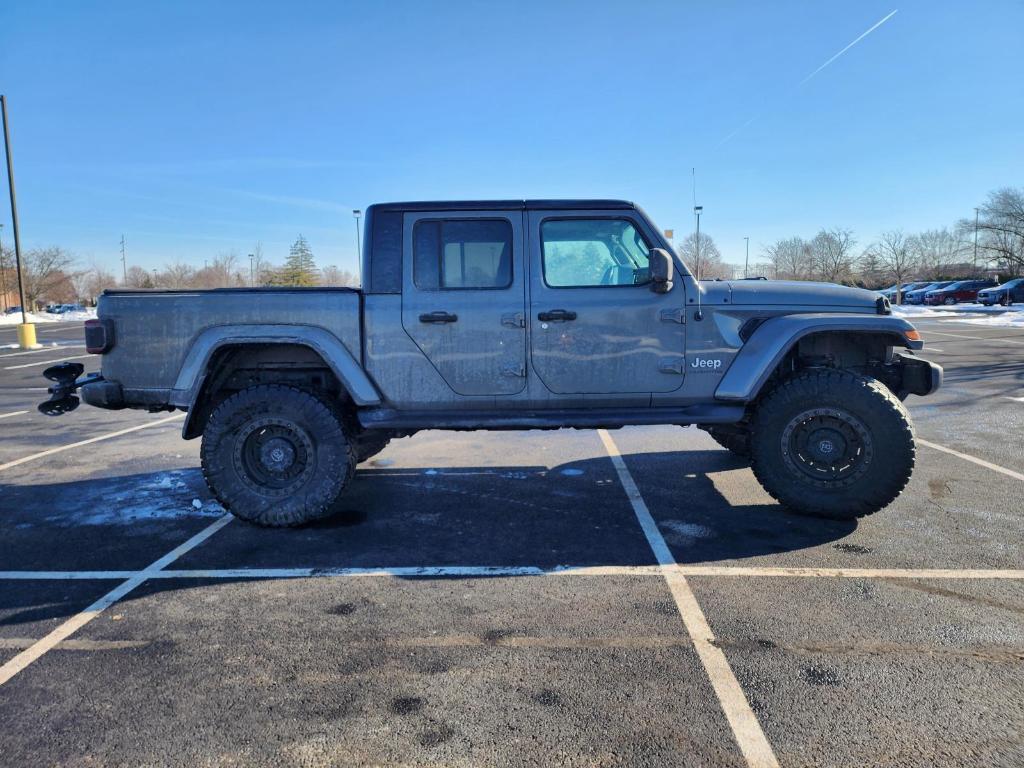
x,y
920,377
103,394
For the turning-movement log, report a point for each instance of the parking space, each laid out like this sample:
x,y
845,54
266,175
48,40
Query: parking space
x,y
514,598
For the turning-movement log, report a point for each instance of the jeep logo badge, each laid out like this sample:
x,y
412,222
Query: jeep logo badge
x,y
706,363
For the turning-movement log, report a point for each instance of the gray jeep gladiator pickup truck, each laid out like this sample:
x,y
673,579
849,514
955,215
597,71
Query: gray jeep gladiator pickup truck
x,y
535,314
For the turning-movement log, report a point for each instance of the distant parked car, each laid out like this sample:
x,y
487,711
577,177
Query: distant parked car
x,y
1005,294
12,310
917,295
965,290
890,292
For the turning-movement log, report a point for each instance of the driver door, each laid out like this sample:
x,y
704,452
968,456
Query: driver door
x,y
596,327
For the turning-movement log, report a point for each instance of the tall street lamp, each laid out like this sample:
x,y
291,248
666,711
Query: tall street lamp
x,y
746,261
252,270
27,330
976,239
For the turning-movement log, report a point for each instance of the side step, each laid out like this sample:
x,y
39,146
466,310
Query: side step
x,y
578,418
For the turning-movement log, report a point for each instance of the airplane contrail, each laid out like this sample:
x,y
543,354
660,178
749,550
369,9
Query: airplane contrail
x,y
848,47
803,82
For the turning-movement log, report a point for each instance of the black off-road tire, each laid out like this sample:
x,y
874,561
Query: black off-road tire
x,y
369,445
858,418
735,441
277,456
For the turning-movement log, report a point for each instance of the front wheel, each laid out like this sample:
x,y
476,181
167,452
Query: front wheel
x,y
949,302
275,455
832,444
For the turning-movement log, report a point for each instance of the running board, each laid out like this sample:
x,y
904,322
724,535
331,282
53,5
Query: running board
x,y
577,418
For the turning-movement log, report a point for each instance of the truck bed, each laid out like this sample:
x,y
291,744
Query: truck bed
x,y
154,330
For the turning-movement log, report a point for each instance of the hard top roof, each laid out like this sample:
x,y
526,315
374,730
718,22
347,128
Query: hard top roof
x,y
504,205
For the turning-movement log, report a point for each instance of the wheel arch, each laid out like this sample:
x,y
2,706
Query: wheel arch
x,y
774,341
292,348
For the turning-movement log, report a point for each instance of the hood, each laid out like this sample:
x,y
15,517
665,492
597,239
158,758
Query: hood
x,y
800,294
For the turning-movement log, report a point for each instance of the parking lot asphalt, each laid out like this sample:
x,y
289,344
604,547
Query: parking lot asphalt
x,y
522,598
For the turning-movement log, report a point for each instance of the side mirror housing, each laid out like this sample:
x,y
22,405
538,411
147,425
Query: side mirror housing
x,y
662,270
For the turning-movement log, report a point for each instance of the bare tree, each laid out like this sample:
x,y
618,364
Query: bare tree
x,y
8,276
1001,228
832,253
139,278
331,275
46,275
94,281
896,257
939,253
791,259
177,275
706,261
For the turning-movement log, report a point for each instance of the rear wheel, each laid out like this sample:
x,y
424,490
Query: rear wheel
x,y
276,455
832,444
950,301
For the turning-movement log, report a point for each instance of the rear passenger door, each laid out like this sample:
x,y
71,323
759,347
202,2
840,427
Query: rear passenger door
x,y
464,297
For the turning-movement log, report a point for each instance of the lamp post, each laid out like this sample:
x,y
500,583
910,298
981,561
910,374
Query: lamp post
x,y
975,239
746,261
26,331
252,270
696,243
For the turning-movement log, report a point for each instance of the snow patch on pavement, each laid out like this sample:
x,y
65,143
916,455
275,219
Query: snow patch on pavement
x,y
45,317
684,534
992,317
166,496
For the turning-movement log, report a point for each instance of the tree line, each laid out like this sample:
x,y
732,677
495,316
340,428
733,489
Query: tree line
x,y
833,255
54,276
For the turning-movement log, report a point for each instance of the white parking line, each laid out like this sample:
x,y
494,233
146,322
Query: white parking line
x,y
76,622
930,332
12,413
44,362
44,349
745,727
973,459
484,571
96,439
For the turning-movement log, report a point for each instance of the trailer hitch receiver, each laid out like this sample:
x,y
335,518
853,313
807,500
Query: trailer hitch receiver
x,y
66,381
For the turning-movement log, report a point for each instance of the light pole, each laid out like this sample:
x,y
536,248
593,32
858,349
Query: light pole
x,y
976,239
252,270
696,243
26,331
746,261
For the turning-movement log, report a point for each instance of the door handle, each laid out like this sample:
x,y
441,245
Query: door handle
x,y
556,316
438,317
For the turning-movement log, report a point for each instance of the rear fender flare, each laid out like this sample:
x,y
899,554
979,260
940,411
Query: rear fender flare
x,y
776,336
193,371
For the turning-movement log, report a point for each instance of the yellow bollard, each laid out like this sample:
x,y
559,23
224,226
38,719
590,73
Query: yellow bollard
x,y
27,336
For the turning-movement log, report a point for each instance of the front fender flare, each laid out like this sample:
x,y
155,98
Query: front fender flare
x,y
776,336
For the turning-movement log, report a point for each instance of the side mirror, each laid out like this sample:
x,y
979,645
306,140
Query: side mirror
x,y
662,270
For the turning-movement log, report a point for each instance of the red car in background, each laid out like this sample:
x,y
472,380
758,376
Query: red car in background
x,y
965,290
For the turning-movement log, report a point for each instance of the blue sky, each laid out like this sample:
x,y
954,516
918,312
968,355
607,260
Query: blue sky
x,y
196,128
